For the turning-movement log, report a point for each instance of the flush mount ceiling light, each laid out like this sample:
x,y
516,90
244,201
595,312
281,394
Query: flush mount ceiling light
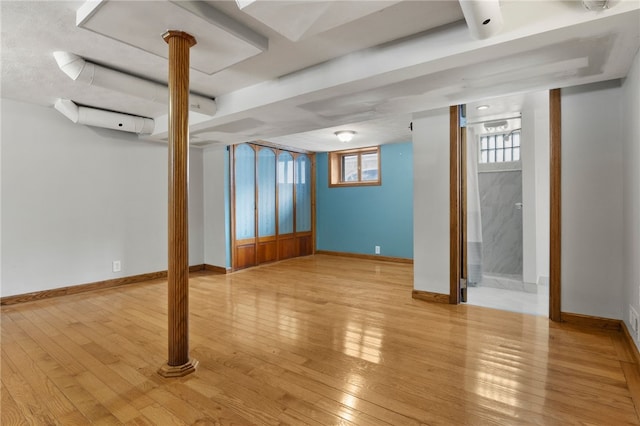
x,y
595,4
482,107
345,135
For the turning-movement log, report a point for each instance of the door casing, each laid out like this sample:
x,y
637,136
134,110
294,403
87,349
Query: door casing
x,y
457,214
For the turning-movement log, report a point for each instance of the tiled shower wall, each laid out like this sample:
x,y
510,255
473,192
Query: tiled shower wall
x,y
501,221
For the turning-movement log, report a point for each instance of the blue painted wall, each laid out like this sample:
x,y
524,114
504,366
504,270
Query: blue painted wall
x,y
356,219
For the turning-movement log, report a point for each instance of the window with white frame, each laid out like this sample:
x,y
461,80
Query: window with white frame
x,y
500,148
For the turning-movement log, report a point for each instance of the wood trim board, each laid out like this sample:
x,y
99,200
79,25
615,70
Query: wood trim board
x,y
632,346
366,256
591,321
428,296
83,288
219,269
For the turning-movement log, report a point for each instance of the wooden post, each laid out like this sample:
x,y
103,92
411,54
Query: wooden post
x,y
179,363
555,248
454,208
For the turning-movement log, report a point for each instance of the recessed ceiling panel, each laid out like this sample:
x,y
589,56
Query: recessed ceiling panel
x,y
297,19
238,126
221,41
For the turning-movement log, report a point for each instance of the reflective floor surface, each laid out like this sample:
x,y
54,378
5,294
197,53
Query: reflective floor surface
x,y
319,340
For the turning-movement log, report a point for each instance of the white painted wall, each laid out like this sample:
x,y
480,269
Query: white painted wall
x,y
215,171
631,189
592,200
542,185
528,147
75,198
431,201
535,186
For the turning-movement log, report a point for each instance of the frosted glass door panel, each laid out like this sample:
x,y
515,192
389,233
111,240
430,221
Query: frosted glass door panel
x,y
285,193
245,183
266,193
303,194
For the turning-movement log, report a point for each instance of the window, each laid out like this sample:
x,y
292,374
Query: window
x,y
501,148
355,167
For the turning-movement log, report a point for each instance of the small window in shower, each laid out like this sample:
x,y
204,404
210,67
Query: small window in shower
x,y
500,148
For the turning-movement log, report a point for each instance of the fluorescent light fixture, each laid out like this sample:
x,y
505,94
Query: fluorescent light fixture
x,y
482,107
496,125
345,135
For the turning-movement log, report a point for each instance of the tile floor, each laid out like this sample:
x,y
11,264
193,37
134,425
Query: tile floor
x,y
510,300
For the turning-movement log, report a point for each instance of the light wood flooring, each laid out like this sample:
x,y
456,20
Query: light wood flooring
x,y
317,340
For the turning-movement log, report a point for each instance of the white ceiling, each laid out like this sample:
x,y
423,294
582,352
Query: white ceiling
x,y
342,64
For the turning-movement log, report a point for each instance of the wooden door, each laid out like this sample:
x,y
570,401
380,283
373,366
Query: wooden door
x,y
244,192
303,197
267,248
286,204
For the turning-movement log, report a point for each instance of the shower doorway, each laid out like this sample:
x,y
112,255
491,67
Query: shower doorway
x,y
507,203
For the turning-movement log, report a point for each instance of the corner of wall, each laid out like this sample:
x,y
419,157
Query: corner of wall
x,y
631,193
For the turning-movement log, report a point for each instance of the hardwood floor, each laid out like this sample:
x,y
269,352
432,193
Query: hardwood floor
x,y
315,340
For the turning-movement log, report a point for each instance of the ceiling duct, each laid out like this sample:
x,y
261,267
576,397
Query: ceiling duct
x,y
484,17
101,118
78,69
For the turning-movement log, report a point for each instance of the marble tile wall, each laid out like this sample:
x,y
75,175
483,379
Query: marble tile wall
x,y
501,222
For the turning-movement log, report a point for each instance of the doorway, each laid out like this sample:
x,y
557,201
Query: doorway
x,y
505,204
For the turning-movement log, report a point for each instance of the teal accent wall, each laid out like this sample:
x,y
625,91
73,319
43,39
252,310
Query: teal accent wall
x,y
356,219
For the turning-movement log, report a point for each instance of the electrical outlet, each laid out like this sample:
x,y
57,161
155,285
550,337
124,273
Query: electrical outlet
x,y
633,319
117,266
377,249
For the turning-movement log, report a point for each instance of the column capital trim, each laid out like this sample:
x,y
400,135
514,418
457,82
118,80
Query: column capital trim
x,y
169,34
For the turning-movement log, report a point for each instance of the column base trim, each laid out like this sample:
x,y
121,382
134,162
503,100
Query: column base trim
x,y
170,371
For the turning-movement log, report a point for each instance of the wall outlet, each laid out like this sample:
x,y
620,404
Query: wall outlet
x,y
377,249
633,319
117,266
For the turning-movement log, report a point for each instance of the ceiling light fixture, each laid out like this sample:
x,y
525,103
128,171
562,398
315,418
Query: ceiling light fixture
x,y
345,135
496,125
482,107
595,4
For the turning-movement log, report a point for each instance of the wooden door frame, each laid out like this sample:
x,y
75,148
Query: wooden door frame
x,y
555,205
277,149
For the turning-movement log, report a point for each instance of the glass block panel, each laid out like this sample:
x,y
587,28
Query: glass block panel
x,y
508,154
516,138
